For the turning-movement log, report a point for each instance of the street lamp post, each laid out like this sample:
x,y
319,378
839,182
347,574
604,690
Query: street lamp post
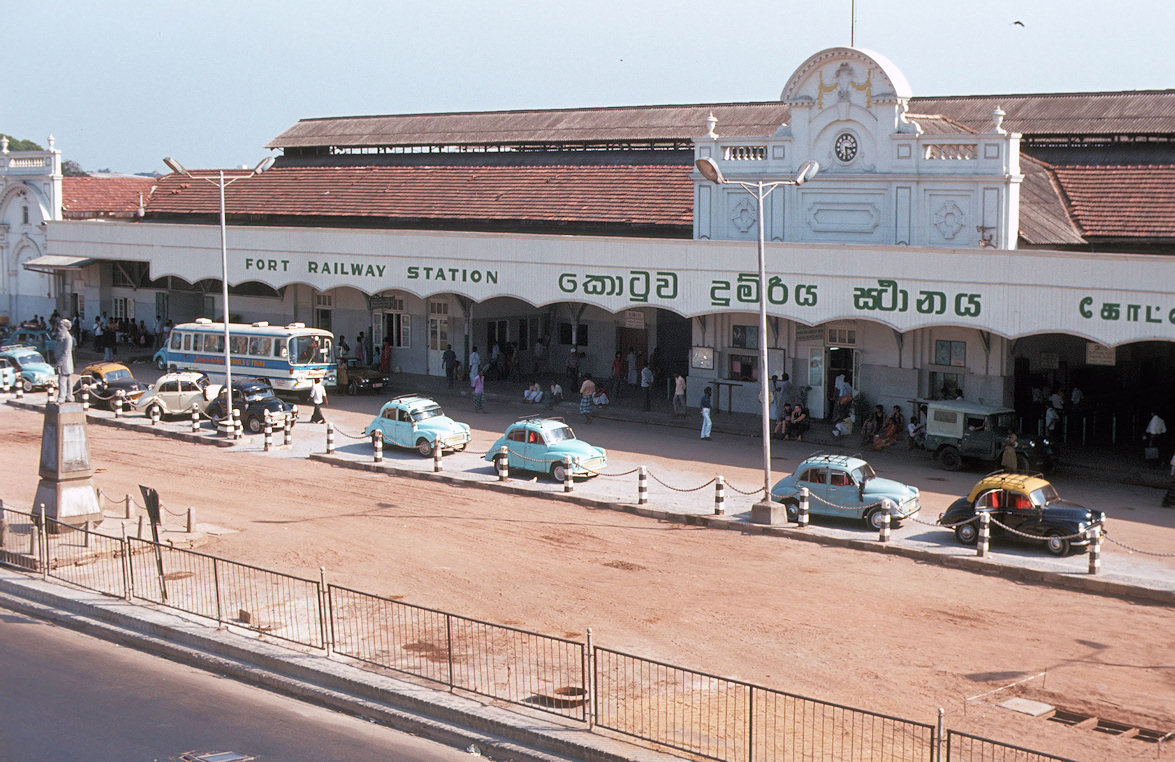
x,y
220,180
760,190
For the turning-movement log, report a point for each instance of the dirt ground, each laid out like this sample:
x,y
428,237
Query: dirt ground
x,y
881,633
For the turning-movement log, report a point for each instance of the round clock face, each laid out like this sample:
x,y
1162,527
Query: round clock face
x,y
845,147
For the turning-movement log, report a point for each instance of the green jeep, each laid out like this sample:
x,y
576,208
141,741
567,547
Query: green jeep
x,y
957,429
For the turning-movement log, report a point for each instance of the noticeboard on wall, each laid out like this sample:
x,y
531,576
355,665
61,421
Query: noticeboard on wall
x,y
701,358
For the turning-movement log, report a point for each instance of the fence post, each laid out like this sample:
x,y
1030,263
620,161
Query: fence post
x,y
3,525
377,441
886,509
325,614
127,583
938,744
449,646
503,461
568,484
590,681
642,486
191,519
984,534
44,533
216,585
126,501
86,534
330,438
195,418
719,496
802,517
139,533
1095,548
436,456
268,432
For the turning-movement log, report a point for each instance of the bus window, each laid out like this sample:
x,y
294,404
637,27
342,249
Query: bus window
x,y
279,348
176,340
213,342
238,344
259,346
306,349
187,342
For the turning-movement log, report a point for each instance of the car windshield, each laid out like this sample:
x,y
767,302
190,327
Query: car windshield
x,y
118,375
310,349
559,434
1044,495
425,413
27,357
254,393
863,474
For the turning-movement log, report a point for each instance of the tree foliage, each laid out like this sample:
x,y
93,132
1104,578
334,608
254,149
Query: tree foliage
x,y
70,168
21,145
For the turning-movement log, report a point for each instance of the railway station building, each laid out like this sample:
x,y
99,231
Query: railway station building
x,y
984,245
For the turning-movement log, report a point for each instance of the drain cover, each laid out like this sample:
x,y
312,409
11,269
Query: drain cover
x,y
1028,706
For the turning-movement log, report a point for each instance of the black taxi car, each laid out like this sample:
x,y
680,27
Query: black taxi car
x,y
253,398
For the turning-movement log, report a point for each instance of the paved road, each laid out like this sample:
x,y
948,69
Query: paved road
x,y
68,696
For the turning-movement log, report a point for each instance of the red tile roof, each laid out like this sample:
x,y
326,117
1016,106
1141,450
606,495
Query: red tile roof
x,y
1121,201
87,197
632,194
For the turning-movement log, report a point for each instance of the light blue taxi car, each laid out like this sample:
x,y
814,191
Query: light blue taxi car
x,y
34,372
845,487
541,444
418,422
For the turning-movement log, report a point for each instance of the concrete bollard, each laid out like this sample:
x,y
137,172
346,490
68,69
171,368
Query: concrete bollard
x,y
19,389
330,438
50,392
642,486
117,405
802,514
1094,533
86,534
503,461
153,411
268,432
719,496
191,520
377,441
288,432
140,531
195,419
237,431
886,519
568,483
4,387
126,502
86,398
437,452
984,540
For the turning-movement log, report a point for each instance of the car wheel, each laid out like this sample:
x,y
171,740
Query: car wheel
x,y
155,410
559,472
214,415
793,510
874,519
424,447
26,385
352,388
161,364
254,424
1057,544
967,534
950,459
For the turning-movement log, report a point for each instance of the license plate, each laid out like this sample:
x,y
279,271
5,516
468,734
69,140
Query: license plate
x,y
377,386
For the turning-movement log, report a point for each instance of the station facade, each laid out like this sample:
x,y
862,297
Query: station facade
x,y
936,251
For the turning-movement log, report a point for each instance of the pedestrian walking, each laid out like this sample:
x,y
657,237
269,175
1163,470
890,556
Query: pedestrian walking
x,y
647,386
479,391
678,395
706,424
587,390
1008,456
449,363
318,399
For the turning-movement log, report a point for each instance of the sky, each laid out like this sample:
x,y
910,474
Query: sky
x,y
121,84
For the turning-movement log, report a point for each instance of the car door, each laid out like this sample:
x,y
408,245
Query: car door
x,y
842,491
516,444
536,451
815,478
1020,514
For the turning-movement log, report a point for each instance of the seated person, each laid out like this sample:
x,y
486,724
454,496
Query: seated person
x,y
873,425
842,428
917,431
600,398
533,393
784,421
894,427
555,392
800,423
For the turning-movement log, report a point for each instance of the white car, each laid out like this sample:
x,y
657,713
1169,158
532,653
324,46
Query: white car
x,y
8,374
175,394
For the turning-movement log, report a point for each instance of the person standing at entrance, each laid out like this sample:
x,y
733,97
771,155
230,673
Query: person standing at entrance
x,y
64,352
706,413
449,363
647,386
479,391
318,399
678,395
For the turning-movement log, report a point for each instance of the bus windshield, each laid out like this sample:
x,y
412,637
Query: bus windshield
x,y
310,349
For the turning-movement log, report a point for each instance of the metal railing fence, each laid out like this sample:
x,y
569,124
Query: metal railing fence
x,y
279,605
500,662
728,720
84,558
963,747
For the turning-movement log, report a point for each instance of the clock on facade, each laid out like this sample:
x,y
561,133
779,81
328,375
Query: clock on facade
x,y
845,147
